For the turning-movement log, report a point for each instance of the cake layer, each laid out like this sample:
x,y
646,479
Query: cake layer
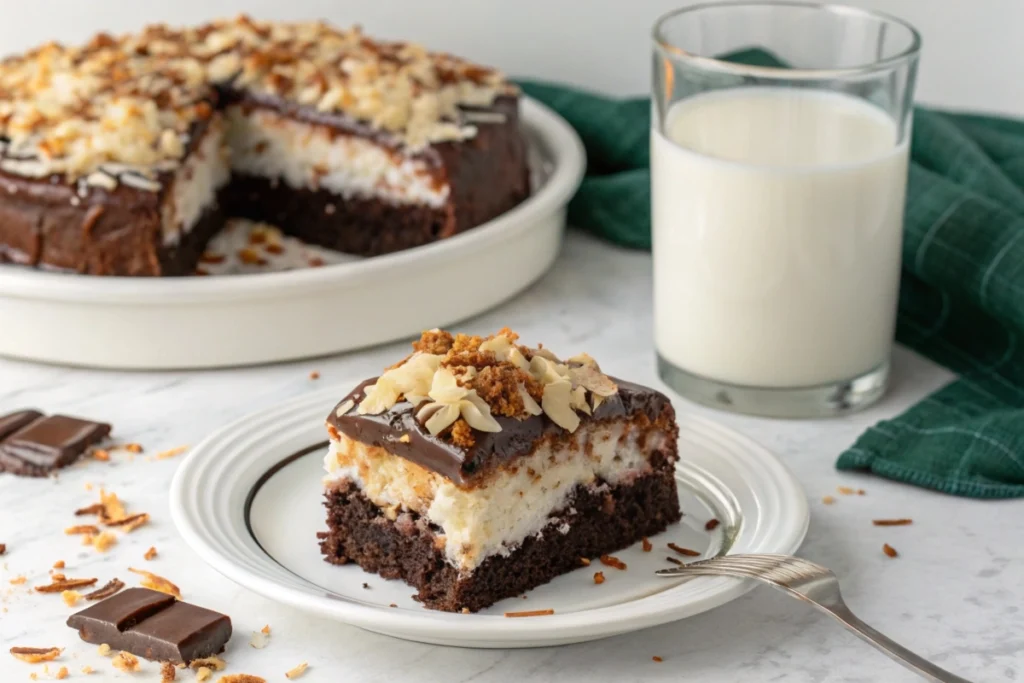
x,y
509,502
599,519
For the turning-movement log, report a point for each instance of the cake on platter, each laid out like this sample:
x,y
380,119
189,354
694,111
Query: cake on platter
x,y
477,468
124,156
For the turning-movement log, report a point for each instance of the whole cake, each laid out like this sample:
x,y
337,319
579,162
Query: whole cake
x,y
477,468
123,156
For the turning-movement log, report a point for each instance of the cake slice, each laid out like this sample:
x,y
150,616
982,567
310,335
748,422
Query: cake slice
x,y
476,469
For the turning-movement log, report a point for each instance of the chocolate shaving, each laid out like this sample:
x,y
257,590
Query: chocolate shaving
x,y
711,525
647,545
65,584
675,560
106,591
892,522
684,551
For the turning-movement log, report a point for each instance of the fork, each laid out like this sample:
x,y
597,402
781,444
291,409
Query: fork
x,y
817,585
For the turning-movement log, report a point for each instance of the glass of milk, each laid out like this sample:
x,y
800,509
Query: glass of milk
x,y
777,203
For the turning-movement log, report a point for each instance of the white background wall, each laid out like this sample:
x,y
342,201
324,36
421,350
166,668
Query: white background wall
x,y
973,55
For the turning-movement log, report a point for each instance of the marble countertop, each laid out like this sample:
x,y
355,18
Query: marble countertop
x,y
954,594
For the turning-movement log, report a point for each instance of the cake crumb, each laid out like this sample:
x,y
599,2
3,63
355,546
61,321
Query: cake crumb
x,y
392,605
171,452
62,673
465,610
462,434
437,342
646,545
167,672
366,586
828,500
889,550
405,438
135,448
71,598
686,552
101,455
846,490
215,663
88,486
711,525
150,554
599,577
861,492
36,655
87,669
18,580
296,671
3,548
892,522
612,561
203,673
103,650
656,658
315,262
156,582
127,662
314,375
59,564
531,613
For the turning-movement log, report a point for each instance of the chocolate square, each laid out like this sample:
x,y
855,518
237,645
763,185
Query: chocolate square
x,y
48,443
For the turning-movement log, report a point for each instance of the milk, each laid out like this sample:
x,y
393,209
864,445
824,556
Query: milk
x,y
777,225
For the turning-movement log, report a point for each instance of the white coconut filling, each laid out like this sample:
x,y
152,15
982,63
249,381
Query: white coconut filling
x,y
516,503
308,156
196,184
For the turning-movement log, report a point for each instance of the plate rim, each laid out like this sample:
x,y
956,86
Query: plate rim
x,y
486,630
553,133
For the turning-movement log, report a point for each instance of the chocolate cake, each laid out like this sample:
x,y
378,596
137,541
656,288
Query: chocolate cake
x,y
123,156
477,468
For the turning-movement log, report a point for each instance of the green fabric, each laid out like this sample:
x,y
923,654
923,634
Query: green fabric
x,y
962,296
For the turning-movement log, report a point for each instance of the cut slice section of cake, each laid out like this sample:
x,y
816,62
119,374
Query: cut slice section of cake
x,y
476,469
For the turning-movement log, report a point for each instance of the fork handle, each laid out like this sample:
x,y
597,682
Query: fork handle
x,y
915,663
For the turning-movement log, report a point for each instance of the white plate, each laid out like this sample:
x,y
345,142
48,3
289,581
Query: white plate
x,y
165,323
251,510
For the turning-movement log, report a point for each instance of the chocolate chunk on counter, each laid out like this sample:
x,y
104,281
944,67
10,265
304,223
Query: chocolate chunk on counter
x,y
153,625
33,445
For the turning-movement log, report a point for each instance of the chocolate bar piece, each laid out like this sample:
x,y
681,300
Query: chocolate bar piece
x,y
154,626
33,445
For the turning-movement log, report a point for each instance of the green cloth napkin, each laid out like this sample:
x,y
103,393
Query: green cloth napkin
x,y
962,296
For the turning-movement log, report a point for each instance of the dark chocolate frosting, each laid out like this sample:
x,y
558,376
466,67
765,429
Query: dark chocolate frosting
x,y
460,464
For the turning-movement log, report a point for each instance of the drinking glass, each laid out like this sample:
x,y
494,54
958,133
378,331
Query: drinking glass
x,y
779,147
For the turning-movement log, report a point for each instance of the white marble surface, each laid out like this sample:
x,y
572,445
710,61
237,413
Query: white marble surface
x,y
954,594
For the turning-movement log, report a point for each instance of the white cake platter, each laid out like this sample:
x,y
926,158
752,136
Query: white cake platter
x,y
249,501
246,319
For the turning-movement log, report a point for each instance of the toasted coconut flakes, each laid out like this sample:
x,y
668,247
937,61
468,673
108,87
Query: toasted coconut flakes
x,y
95,509
87,539
265,630
167,672
598,577
215,663
171,452
62,673
104,541
828,500
241,678
71,598
259,640
64,584
130,523
113,508
112,586
684,551
133,447
150,554
296,671
82,529
35,655
531,613
101,454
59,564
892,522
157,583
889,550
611,561
126,661
846,490
646,545
18,580
203,674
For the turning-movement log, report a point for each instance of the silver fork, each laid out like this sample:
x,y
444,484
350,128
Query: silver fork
x,y
817,585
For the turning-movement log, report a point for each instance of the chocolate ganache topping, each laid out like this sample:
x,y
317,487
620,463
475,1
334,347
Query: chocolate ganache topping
x,y
459,463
